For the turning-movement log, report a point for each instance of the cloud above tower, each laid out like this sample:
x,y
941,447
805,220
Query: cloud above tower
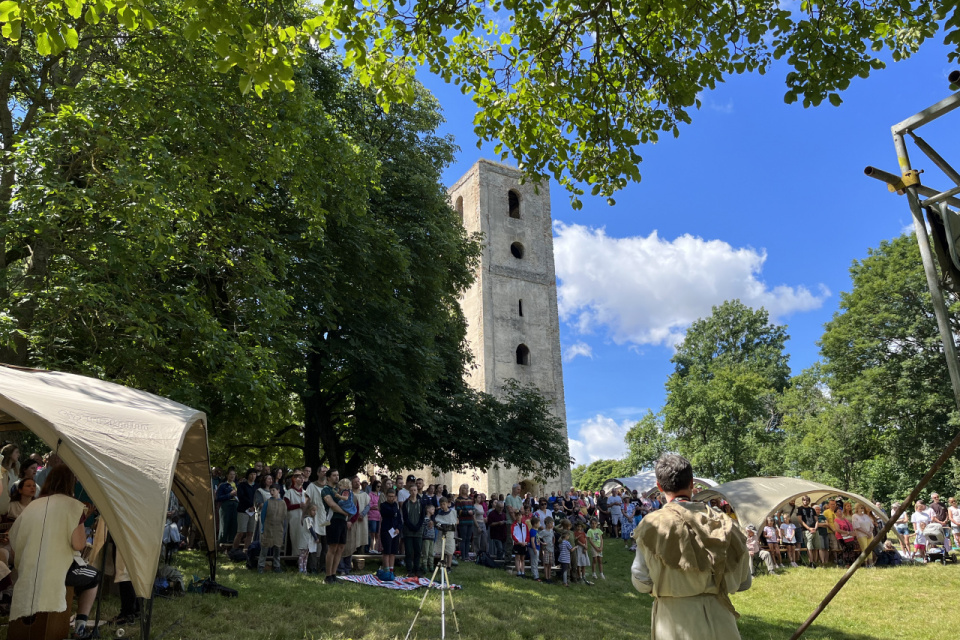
x,y
647,290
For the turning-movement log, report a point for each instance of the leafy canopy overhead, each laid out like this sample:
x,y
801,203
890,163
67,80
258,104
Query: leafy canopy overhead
x,y
569,89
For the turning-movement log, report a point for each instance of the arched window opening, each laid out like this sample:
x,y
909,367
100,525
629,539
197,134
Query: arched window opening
x,y
517,250
523,355
459,207
514,204
520,308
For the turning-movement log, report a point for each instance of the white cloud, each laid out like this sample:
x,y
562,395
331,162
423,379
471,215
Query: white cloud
x,y
600,438
647,290
577,349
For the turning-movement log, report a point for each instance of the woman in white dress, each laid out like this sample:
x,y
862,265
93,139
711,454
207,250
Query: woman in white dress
x,y
297,534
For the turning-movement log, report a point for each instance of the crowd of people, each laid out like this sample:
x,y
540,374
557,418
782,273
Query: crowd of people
x,y
835,531
324,521
564,533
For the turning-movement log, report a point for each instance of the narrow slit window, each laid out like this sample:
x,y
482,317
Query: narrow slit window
x,y
460,208
513,203
520,307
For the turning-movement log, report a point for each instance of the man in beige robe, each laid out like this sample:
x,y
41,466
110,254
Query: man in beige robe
x,y
690,558
359,534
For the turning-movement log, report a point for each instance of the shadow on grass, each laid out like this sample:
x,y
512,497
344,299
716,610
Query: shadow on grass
x,y
754,628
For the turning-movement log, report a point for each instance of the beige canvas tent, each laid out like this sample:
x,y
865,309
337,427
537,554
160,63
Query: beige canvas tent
x,y
753,499
127,448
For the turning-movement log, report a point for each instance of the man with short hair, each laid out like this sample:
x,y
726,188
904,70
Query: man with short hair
x,y
938,512
307,473
690,558
499,530
337,529
404,491
246,514
615,505
808,522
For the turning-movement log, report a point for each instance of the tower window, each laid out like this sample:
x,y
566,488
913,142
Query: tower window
x,y
517,250
514,204
523,355
459,207
520,308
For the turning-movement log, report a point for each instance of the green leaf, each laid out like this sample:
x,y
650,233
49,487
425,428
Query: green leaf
x,y
44,46
9,9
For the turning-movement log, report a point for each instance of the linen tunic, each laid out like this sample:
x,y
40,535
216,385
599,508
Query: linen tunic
x,y
40,539
679,548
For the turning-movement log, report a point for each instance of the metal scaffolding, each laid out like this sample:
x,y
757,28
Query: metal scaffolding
x,y
945,229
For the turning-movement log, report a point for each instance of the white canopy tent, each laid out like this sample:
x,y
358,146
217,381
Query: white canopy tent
x,y
128,448
753,499
645,483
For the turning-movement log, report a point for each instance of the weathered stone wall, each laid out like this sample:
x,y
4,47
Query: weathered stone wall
x,y
492,305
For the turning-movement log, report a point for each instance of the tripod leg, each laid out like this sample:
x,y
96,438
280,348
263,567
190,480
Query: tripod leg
x,y
422,600
453,609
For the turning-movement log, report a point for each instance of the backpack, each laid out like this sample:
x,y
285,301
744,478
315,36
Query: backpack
x,y
484,560
237,555
253,555
385,576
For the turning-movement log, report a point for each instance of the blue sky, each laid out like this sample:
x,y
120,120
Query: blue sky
x,y
756,199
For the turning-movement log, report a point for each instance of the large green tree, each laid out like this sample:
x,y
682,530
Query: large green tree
x,y
721,398
646,441
590,477
569,90
289,264
883,354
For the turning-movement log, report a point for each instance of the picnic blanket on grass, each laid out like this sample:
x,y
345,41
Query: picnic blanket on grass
x,y
399,584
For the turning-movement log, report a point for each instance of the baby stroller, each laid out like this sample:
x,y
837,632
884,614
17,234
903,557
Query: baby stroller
x,y
938,544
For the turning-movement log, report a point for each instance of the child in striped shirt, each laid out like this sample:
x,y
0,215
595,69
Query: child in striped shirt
x,y
564,557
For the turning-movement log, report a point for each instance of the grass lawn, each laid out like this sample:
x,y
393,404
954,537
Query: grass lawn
x,y
493,605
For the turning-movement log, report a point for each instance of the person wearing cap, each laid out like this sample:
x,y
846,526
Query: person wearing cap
x,y
690,558
753,546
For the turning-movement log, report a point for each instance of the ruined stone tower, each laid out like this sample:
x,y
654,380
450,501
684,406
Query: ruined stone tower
x,y
511,309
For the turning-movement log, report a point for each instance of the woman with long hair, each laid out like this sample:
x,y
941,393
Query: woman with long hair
x,y
465,521
862,529
47,539
23,495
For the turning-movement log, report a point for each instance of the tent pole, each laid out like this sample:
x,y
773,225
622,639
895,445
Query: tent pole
x,y
103,567
950,352
212,557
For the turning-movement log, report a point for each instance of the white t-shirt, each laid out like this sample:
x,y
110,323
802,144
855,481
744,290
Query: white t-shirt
x,y
614,503
789,531
954,516
862,524
918,518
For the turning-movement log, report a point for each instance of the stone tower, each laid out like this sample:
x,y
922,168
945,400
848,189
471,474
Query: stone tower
x,y
511,309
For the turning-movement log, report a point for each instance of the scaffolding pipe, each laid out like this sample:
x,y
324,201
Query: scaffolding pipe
x,y
940,197
891,179
929,114
936,157
950,351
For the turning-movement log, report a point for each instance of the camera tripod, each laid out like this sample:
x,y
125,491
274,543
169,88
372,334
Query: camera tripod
x,y
444,587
